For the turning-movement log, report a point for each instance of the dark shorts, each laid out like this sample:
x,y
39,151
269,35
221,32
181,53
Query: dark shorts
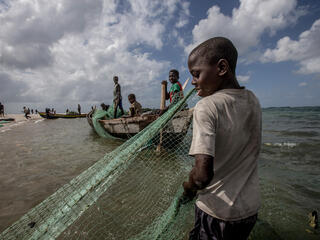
x,y
208,227
118,103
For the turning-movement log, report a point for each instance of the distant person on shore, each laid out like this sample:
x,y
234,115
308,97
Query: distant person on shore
x,y
79,109
135,107
26,112
104,107
1,109
32,111
225,144
176,91
117,98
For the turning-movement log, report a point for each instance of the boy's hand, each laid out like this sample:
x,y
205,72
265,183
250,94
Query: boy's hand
x,y
164,82
183,200
188,191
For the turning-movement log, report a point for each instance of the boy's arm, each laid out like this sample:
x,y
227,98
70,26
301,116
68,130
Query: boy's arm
x,y
200,175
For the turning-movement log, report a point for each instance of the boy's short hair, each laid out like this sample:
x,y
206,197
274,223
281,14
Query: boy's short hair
x,y
131,95
175,71
215,49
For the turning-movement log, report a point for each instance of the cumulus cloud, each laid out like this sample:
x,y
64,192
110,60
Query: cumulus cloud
x,y
30,28
247,23
72,48
243,78
305,50
12,90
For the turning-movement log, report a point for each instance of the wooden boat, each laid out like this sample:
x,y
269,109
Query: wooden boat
x,y
127,127
60,115
7,119
89,117
130,126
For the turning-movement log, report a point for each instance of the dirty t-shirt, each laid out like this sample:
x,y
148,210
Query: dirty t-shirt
x,y
227,126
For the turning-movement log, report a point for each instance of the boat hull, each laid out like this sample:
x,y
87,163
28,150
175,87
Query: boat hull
x,y
128,127
55,116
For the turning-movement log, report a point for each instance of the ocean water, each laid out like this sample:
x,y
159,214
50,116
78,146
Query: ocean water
x,y
37,158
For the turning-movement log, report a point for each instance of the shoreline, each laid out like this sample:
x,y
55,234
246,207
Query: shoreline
x,y
18,120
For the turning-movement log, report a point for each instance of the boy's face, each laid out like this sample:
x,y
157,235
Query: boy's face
x,y
115,80
205,77
131,99
173,78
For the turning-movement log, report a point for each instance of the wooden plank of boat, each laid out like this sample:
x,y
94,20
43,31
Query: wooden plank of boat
x,y
59,115
89,117
127,127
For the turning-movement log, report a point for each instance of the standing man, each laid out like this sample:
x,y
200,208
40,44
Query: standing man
x,y
225,144
117,98
1,110
79,109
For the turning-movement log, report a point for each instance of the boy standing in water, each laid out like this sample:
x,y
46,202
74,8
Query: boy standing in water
x,y
226,144
176,91
117,98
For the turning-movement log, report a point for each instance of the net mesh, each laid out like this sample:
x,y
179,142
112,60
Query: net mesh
x,y
132,193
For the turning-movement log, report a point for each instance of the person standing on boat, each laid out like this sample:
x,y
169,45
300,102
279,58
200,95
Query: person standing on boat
x,y
117,98
176,91
135,107
226,143
79,109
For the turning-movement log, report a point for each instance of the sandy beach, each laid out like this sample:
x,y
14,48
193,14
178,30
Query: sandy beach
x,y
19,119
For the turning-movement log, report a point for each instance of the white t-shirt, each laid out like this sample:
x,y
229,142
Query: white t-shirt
x,y
227,126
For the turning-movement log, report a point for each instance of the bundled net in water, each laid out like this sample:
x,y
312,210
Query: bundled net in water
x,y
132,193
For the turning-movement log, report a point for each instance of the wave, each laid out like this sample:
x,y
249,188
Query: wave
x,y
283,144
39,120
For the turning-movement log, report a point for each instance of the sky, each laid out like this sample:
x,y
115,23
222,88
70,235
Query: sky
x,y
64,52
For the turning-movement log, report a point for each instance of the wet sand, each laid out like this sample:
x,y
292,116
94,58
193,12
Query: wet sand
x,y
19,120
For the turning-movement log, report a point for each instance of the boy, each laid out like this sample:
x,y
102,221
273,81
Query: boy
x,y
176,91
226,144
117,98
135,108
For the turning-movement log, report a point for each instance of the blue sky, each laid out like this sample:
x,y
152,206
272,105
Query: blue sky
x,y
64,52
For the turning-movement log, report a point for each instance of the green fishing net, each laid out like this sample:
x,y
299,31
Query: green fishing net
x,y
131,193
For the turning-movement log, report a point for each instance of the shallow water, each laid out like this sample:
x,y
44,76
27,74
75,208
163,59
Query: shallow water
x,y
39,157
